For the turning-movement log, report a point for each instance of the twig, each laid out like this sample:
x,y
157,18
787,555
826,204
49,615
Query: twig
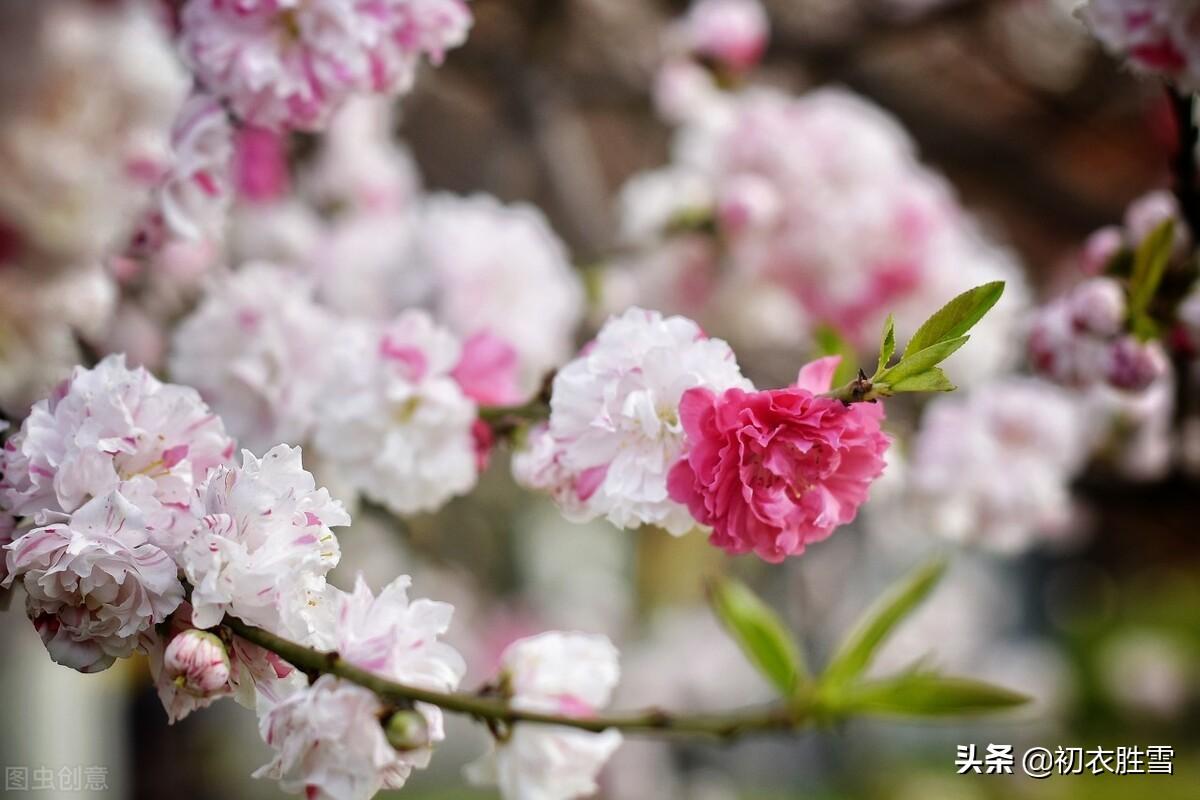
x,y
778,717
1184,165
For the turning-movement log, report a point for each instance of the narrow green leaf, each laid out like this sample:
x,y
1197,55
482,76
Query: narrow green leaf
x,y
855,653
764,639
956,317
888,345
916,362
924,694
931,380
1149,264
831,343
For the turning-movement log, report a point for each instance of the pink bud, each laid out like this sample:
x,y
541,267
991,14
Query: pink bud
x,y
732,32
1134,365
1151,210
1099,249
197,663
1098,306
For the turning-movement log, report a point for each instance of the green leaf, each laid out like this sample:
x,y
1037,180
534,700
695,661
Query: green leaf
x,y
855,653
888,346
1149,264
924,694
920,361
764,639
956,317
831,343
931,380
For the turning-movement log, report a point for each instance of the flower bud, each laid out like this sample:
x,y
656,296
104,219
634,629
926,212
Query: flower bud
x,y
731,32
407,730
1134,365
1098,306
196,661
1099,249
1151,210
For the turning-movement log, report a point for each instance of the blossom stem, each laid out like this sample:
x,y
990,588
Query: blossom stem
x,y
776,717
859,390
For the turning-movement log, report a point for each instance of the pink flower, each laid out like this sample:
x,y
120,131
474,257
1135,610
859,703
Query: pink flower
x,y
291,63
487,370
772,471
260,166
732,32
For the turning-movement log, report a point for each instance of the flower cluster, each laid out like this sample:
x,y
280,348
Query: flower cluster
x,y
653,424
1154,37
614,428
1078,340
992,468
132,529
824,217
291,63
328,738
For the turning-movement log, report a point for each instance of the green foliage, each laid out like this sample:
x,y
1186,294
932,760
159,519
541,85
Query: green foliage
x,y
1149,264
830,343
956,317
931,380
856,651
926,694
762,636
842,691
935,341
887,347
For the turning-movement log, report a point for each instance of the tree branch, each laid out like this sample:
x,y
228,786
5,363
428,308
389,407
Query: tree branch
x,y
777,717
1184,166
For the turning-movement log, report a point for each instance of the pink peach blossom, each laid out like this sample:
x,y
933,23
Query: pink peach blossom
x,y
772,471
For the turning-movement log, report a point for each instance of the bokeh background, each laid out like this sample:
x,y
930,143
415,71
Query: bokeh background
x,y
551,102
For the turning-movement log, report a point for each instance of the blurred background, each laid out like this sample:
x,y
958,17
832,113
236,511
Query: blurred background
x,y
1087,594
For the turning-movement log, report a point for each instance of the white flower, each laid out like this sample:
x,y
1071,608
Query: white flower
x,y
651,201
539,466
360,166
615,413
1155,36
257,347
88,127
570,674
993,467
393,422
329,736
502,270
330,744
250,672
95,584
291,64
195,194
110,428
392,636
264,544
41,321
362,265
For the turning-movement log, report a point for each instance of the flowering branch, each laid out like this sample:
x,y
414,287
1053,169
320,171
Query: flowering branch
x,y
791,716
